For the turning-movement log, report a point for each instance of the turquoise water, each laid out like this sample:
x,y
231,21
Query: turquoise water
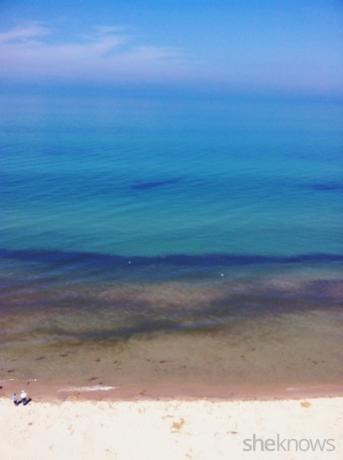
x,y
160,176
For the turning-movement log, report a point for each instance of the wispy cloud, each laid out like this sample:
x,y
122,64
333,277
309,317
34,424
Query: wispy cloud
x,y
106,53
23,33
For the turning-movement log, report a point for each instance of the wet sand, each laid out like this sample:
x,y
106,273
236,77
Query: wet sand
x,y
287,351
256,358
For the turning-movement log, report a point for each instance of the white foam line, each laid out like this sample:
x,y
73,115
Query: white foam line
x,y
313,387
86,389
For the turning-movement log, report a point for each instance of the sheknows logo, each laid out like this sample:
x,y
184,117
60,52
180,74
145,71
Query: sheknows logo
x,y
280,444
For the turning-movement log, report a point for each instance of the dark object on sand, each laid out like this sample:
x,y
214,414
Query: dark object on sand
x,y
26,401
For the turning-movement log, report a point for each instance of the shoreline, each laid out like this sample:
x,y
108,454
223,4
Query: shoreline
x,y
49,391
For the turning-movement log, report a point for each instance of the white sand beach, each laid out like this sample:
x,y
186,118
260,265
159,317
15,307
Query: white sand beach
x,y
173,429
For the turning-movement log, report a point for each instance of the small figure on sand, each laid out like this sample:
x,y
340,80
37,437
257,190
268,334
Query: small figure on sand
x,y
15,399
24,398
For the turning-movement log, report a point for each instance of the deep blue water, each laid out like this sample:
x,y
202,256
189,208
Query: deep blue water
x,y
150,189
163,176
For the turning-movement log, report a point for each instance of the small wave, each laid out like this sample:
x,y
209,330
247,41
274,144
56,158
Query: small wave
x,y
87,389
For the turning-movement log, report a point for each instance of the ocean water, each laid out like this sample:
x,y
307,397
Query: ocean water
x,y
164,176
137,222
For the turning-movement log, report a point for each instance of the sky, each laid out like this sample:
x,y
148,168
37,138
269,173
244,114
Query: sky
x,y
275,45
